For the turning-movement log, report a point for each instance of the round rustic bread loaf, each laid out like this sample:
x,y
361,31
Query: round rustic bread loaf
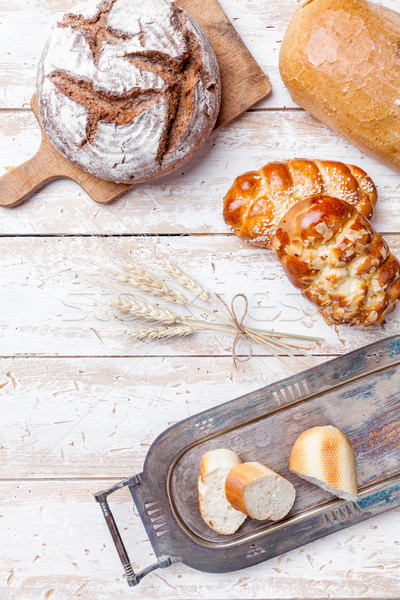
x,y
128,89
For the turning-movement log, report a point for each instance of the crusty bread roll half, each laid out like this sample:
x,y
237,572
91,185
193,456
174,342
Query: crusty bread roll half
x,y
340,61
325,457
259,492
214,507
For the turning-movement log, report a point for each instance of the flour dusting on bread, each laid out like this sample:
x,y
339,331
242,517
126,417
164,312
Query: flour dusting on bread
x,y
128,90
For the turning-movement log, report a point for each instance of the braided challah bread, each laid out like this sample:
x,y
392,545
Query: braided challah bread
x,y
341,264
258,200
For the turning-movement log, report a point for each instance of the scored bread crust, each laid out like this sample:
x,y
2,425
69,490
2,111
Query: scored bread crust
x,y
128,90
258,200
244,475
341,264
218,462
325,457
340,61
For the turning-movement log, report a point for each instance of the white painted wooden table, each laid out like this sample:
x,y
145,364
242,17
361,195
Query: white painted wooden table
x,y
79,411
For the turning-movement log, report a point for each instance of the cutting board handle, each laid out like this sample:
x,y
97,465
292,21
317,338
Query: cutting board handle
x,y
23,181
243,84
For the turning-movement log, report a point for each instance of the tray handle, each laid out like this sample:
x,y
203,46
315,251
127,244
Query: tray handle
x,y
132,577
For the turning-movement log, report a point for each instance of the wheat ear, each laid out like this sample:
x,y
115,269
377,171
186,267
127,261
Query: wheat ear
x,y
140,309
141,279
161,333
184,280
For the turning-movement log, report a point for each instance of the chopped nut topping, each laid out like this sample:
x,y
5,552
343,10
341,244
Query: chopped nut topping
x,y
372,317
323,229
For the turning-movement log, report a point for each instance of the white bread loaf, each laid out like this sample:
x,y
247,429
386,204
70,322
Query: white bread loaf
x,y
214,507
325,457
259,492
340,61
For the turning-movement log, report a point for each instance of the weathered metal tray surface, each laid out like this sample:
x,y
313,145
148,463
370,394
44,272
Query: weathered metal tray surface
x,y
358,393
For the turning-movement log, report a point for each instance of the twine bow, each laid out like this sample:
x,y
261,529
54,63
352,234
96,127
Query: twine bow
x,y
241,333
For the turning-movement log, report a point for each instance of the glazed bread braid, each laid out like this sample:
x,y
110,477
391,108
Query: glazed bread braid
x,y
341,264
258,200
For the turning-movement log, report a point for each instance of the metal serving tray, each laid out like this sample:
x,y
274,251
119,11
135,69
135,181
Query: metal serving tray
x,y
358,393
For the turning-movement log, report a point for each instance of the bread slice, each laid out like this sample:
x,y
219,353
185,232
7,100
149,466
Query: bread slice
x,y
325,457
214,507
259,492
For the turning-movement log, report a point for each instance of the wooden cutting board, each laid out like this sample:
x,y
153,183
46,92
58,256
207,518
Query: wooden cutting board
x,y
243,85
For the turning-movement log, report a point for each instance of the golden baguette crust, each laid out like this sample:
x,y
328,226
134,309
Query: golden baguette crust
x,y
217,459
258,200
237,480
240,476
340,263
325,454
340,61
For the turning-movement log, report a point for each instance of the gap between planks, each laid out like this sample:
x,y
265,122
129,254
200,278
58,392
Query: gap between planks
x,y
118,235
62,479
117,356
226,234
19,109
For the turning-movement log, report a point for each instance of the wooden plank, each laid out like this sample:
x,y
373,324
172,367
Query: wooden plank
x,y
25,26
55,545
54,541
91,417
52,304
189,201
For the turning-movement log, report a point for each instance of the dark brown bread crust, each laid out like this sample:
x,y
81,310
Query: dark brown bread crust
x,y
151,98
341,264
101,106
258,200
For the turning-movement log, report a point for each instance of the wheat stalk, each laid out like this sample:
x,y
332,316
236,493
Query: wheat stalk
x,y
172,325
161,333
264,343
141,309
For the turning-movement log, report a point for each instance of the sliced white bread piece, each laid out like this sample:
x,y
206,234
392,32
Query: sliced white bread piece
x,y
325,457
259,492
214,507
